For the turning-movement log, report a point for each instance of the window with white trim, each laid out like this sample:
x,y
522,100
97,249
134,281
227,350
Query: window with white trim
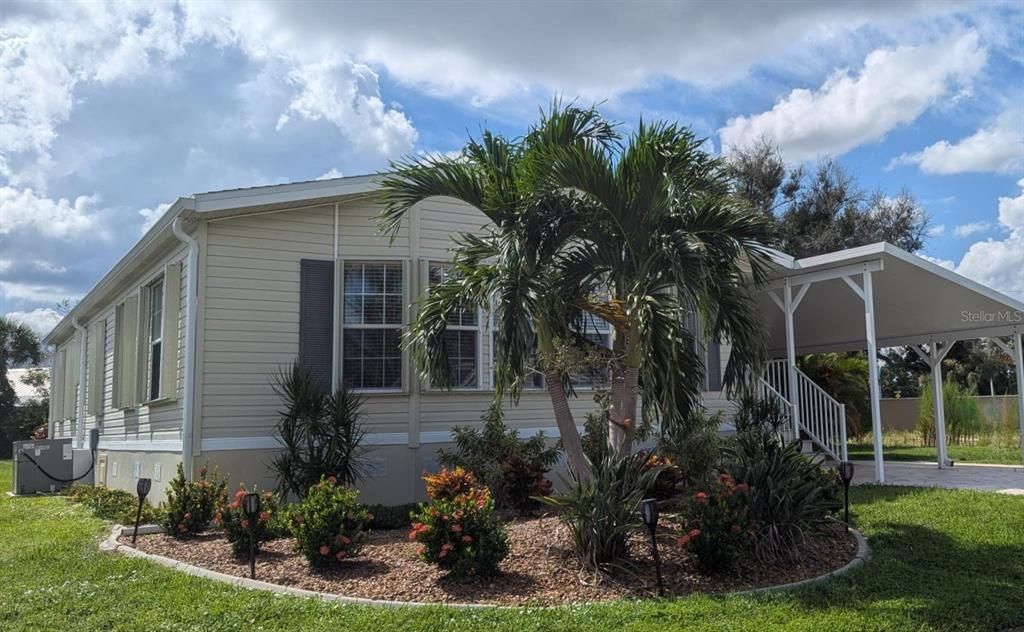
x,y
533,380
461,337
373,297
598,331
156,321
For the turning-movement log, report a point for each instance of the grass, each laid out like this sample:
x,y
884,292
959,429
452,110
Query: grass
x,y
943,560
906,446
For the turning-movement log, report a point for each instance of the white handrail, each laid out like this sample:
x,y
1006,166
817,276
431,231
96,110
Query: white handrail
x,y
822,418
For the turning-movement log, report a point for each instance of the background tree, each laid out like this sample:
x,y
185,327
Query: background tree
x,y
19,346
845,377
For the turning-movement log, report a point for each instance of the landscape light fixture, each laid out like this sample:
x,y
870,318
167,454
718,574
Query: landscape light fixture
x,y
142,489
251,506
649,513
846,475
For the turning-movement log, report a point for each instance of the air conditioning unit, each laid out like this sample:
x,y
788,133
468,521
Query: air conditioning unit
x,y
51,465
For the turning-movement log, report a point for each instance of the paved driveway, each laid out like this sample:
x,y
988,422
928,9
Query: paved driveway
x,y
999,478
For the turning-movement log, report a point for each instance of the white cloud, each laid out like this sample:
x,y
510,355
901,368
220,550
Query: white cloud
x,y
998,147
945,263
330,174
40,320
893,88
61,219
937,231
49,268
972,228
151,216
1000,263
5,265
31,292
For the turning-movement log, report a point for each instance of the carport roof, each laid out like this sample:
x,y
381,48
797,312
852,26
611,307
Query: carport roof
x,y
916,301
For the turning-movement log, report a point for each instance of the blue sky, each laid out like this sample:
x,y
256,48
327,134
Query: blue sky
x,y
109,112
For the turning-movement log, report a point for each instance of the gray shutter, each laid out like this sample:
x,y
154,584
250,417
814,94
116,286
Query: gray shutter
x,y
714,367
316,318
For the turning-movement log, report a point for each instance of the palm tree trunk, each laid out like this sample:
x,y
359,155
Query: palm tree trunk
x,y
622,416
567,427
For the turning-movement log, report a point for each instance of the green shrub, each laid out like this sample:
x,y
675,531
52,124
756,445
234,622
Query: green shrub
x,y
113,504
512,468
191,504
716,524
232,519
320,433
384,517
601,512
789,493
328,524
963,417
462,534
695,448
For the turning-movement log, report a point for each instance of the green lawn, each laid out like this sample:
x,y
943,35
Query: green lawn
x,y
959,453
944,560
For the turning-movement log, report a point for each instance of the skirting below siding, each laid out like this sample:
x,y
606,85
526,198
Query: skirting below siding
x,y
375,439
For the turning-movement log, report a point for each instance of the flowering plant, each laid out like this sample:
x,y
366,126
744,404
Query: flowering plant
x,y
190,504
716,524
329,525
461,534
231,517
447,484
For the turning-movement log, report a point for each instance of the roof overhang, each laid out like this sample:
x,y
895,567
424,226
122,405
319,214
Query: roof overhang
x,y
916,301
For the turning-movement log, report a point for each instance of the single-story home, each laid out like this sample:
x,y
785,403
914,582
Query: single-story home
x,y
172,354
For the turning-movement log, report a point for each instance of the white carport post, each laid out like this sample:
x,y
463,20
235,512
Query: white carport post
x,y
939,396
792,394
1018,344
876,394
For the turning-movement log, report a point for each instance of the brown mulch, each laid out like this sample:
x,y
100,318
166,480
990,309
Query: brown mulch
x,y
541,568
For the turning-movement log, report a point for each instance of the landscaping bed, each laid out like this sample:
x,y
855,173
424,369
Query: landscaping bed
x,y
541,568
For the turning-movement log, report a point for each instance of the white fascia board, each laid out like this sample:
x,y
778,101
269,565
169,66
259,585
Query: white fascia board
x,y
285,193
798,278
124,267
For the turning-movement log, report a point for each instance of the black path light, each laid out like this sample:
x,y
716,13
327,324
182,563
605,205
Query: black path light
x,y
846,475
251,506
142,489
649,513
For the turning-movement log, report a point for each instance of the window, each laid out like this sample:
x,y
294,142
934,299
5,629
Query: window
x,y
461,338
599,332
372,325
156,322
535,379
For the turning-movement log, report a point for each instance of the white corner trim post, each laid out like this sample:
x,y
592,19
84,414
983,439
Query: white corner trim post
x,y
1018,345
80,399
188,363
791,391
876,394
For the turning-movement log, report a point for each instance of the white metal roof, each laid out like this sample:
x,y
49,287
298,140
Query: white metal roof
x,y
915,301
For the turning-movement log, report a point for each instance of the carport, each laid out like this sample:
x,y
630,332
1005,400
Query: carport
x,y
880,296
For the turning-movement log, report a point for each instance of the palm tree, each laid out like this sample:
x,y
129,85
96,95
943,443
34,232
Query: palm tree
x,y
844,376
662,238
515,266
580,229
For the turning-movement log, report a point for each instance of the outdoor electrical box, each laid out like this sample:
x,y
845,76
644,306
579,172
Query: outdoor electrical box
x,y
38,463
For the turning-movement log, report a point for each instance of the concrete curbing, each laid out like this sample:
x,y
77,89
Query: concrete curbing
x,y
111,544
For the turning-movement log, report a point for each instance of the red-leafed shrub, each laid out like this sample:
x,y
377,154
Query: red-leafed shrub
x,y
716,524
231,517
329,525
460,533
447,484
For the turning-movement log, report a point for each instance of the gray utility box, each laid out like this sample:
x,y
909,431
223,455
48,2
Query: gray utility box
x,y
55,456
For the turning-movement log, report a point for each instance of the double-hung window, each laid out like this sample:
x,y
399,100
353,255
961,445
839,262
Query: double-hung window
x,y
156,320
461,337
373,296
534,379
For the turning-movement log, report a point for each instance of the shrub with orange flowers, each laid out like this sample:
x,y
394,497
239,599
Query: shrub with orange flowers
x,y
716,525
191,504
460,533
329,524
232,519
